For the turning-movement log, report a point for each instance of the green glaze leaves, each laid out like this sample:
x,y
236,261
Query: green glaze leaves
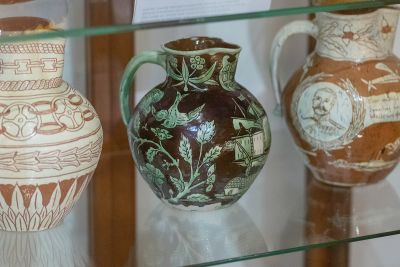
x,y
179,184
198,198
205,77
212,154
189,79
210,178
162,134
151,153
155,175
185,150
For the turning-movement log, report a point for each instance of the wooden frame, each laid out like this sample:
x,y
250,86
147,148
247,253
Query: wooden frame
x,y
113,187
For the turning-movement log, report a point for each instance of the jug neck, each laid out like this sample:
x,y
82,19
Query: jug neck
x,y
29,65
198,67
358,37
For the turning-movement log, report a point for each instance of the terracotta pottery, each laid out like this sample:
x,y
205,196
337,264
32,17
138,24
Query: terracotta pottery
x,y
50,135
343,105
199,139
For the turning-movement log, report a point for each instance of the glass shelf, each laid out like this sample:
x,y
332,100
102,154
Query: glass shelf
x,y
278,8
285,211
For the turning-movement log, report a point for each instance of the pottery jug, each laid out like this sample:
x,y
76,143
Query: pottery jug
x,y
343,106
50,135
199,138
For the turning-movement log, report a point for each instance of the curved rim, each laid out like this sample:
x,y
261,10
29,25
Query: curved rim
x,y
13,2
220,47
25,25
366,15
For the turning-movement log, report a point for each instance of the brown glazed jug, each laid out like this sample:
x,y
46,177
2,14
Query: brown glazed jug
x,y
199,139
343,106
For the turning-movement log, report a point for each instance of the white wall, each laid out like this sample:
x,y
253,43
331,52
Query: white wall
x,y
75,75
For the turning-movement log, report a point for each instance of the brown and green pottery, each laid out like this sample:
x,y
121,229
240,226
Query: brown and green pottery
x,y
199,139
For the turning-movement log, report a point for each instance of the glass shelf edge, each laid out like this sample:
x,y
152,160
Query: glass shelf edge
x,y
114,29
297,249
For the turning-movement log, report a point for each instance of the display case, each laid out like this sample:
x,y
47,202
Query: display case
x,y
119,222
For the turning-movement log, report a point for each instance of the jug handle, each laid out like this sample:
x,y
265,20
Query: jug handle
x,y
154,57
295,27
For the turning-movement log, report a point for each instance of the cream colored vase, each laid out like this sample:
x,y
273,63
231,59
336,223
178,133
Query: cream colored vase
x,y
50,135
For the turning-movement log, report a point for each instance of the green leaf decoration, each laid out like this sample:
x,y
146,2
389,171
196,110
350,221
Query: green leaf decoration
x,y
211,82
185,150
151,153
205,77
180,185
211,179
185,72
209,188
136,123
154,174
162,134
211,170
172,74
213,154
206,132
198,198
242,97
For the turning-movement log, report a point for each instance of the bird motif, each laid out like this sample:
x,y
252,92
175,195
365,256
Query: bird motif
x,y
172,117
148,100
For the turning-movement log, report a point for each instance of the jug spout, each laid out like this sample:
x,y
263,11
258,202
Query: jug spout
x,y
389,21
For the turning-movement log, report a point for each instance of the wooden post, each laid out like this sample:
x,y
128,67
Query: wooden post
x,y
113,187
328,218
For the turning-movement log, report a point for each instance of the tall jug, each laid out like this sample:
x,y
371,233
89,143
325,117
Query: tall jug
x,y
199,138
50,135
343,106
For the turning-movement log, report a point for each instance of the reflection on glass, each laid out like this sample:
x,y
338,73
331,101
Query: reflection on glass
x,y
339,212
52,10
176,238
54,247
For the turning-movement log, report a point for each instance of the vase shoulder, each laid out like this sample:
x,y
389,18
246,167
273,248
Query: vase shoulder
x,y
62,125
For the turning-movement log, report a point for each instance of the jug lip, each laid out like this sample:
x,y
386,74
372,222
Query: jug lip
x,y
200,45
365,15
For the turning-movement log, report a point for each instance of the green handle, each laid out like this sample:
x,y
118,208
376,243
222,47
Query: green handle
x,y
125,89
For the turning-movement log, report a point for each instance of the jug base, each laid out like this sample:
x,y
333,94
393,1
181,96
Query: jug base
x,y
206,208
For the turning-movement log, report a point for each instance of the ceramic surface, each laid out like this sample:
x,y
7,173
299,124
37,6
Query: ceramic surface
x,y
199,139
50,136
343,105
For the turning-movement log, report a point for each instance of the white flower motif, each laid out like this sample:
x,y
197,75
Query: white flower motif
x,y
387,30
69,115
349,35
20,121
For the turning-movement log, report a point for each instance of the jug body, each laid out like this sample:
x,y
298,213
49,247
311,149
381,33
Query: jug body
x,y
50,137
199,139
343,106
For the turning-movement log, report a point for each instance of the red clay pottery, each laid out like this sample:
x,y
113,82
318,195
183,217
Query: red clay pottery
x,y
343,106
